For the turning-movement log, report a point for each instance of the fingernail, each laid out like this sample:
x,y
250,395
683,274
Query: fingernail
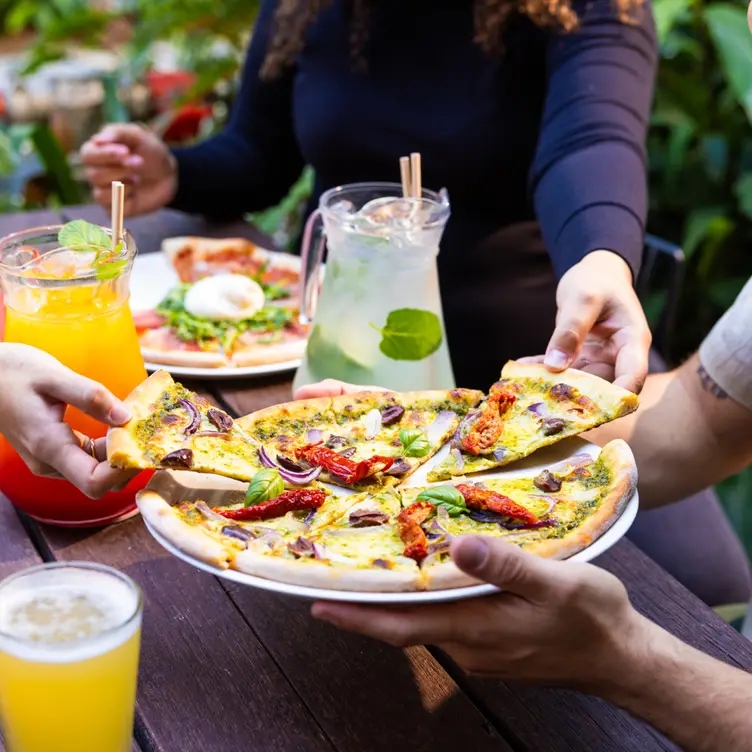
x,y
133,161
472,554
119,414
556,359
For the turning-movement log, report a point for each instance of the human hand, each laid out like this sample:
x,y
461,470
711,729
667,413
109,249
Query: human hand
x,y
557,623
135,156
600,324
35,390
332,388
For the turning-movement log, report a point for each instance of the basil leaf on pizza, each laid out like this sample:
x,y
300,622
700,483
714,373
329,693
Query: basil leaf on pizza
x,y
266,484
414,442
445,496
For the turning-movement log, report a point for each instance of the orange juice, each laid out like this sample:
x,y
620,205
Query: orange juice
x,y
55,302
69,646
86,329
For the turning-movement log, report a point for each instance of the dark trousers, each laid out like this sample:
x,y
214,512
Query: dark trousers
x,y
499,303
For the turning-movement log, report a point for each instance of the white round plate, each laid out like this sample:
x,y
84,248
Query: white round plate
x,y
152,278
537,462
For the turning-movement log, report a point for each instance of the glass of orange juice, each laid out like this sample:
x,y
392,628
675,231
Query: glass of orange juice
x,y
69,303
69,646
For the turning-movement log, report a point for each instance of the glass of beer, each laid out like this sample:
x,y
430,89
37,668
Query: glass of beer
x,y
69,645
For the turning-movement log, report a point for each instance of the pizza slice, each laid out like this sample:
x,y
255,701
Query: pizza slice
x,y
553,514
530,408
365,440
174,428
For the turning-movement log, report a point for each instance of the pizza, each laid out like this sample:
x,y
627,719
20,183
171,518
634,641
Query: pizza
x,y
173,428
294,521
235,305
367,439
398,539
194,258
529,408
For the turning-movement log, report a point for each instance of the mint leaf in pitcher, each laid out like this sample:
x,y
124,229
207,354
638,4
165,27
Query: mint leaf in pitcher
x,y
80,235
410,334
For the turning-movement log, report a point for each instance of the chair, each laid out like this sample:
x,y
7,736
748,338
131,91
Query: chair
x,y
663,267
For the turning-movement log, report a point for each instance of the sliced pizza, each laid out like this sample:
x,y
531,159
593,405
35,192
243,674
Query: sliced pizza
x,y
363,440
174,428
399,540
529,408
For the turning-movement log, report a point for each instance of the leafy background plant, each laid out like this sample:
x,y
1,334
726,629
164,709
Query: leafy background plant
x,y
700,141
700,152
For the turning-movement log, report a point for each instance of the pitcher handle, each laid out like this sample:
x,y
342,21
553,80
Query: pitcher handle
x,y
311,255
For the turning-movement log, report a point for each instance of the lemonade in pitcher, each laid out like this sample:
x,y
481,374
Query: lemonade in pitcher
x,y
377,319
69,647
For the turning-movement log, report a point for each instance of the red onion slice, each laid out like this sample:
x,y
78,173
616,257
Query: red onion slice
x,y
465,423
459,460
499,454
372,422
206,511
294,477
440,425
193,414
299,479
577,460
216,434
265,459
314,436
539,409
551,503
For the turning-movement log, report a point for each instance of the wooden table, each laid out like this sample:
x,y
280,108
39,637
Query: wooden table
x,y
227,668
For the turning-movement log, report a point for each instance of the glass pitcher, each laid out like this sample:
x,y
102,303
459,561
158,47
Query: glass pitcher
x,y
377,318
75,308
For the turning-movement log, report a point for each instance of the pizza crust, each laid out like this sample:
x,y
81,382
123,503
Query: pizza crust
x,y
317,574
261,355
189,358
189,539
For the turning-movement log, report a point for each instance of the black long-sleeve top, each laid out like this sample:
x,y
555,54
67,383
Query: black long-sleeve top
x,y
553,129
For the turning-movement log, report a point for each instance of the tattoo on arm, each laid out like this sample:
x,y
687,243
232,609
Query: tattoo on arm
x,y
707,383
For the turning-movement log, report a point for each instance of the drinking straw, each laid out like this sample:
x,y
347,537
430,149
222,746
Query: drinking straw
x,y
118,208
417,180
405,175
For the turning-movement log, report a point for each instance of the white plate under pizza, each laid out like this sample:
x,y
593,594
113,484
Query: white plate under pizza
x,y
218,308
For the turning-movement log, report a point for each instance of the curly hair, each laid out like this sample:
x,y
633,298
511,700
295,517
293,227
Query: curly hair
x,y
293,17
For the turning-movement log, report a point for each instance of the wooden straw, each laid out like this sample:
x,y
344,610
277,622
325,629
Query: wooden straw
x,y
417,180
118,208
405,175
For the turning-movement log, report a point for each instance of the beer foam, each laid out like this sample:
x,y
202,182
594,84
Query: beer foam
x,y
67,614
